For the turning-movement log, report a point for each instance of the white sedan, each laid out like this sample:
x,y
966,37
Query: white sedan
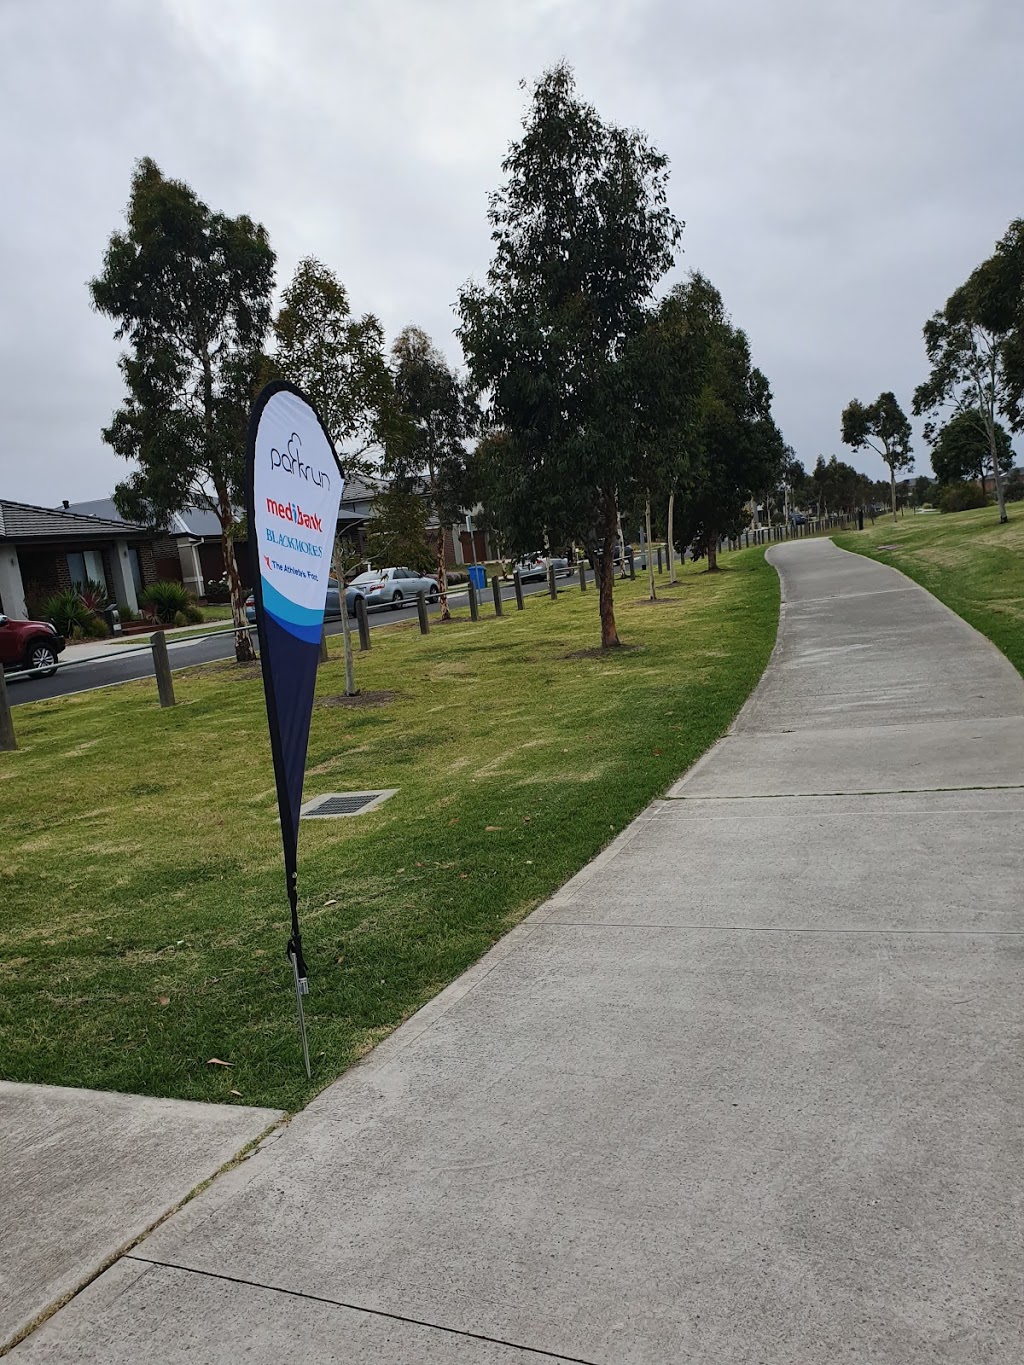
x,y
392,587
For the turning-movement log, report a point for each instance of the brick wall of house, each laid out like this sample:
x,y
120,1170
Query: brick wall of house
x,y
147,564
43,573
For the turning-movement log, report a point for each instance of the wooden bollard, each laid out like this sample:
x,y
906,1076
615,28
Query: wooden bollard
x,y
496,594
162,669
8,741
552,590
421,612
659,559
632,564
583,575
474,605
363,622
517,583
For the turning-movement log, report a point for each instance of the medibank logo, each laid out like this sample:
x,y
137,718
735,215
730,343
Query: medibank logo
x,y
290,511
289,461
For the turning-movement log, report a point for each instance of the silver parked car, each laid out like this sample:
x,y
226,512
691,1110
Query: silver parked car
x,y
534,568
392,587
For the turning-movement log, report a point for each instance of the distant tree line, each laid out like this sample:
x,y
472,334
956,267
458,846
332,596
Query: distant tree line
x,y
975,385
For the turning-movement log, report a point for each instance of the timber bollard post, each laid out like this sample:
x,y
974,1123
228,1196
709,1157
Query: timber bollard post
x,y
474,605
583,575
8,740
363,623
496,594
659,559
323,645
632,564
552,590
421,612
162,669
517,583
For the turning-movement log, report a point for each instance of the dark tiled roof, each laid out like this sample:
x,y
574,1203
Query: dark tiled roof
x,y
198,522
22,521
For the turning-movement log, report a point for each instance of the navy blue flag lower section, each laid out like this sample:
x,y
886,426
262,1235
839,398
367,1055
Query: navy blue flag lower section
x,y
289,679
293,486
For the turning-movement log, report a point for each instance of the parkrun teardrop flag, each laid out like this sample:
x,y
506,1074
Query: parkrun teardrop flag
x,y
293,486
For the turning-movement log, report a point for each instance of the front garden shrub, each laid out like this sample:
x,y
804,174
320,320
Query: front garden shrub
x,y
218,592
961,497
72,617
166,600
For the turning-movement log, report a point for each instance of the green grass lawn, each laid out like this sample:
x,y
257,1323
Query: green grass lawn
x,y
145,922
967,560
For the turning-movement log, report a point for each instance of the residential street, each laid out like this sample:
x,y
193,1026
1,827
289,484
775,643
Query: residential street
x,y
747,1089
82,675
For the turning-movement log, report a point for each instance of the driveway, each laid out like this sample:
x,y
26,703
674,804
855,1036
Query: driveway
x,y
748,1089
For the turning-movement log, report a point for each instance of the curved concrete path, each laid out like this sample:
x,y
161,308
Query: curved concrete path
x,y
749,1089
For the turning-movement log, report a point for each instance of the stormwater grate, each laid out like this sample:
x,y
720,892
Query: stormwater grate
x,y
332,805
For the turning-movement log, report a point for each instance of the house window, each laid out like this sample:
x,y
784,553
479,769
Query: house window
x,y
87,565
136,567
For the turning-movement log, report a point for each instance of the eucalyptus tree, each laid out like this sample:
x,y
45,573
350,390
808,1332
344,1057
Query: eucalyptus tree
x,y
190,292
881,426
582,232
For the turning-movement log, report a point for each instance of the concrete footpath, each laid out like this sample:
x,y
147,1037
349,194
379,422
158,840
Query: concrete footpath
x,y
83,1173
750,1088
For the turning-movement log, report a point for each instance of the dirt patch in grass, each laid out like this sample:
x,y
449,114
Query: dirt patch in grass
x,y
360,700
612,653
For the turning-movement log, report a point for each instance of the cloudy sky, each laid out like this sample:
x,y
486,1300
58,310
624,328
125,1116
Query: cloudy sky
x,y
840,164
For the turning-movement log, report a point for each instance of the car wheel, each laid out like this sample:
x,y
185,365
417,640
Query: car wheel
x,y
41,659
434,595
396,601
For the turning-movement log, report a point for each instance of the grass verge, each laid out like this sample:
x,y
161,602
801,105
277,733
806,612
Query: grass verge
x,y
967,559
145,917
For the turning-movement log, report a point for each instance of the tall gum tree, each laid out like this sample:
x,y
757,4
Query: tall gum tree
x,y
960,449
999,298
337,360
967,370
882,426
582,233
738,445
435,418
189,290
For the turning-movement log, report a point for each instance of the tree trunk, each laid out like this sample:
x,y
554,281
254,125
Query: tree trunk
x,y
346,629
712,552
244,652
621,542
606,586
997,476
650,552
442,578
892,484
671,534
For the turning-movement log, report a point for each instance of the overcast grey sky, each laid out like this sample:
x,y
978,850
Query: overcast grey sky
x,y
841,165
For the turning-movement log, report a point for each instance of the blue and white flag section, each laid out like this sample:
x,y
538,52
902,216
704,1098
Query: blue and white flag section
x,y
293,488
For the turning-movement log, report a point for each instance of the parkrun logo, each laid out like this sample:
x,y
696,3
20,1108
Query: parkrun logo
x,y
289,461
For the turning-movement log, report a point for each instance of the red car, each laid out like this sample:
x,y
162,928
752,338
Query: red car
x,y
29,644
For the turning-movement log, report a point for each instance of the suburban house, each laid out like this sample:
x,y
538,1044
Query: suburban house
x,y
43,550
190,548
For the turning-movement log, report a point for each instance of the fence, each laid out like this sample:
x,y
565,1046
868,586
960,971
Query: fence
x,y
575,580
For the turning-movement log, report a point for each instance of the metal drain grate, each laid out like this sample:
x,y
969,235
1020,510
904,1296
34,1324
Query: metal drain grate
x,y
332,805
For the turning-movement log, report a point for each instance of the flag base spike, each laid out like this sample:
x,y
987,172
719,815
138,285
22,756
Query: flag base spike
x,y
301,989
